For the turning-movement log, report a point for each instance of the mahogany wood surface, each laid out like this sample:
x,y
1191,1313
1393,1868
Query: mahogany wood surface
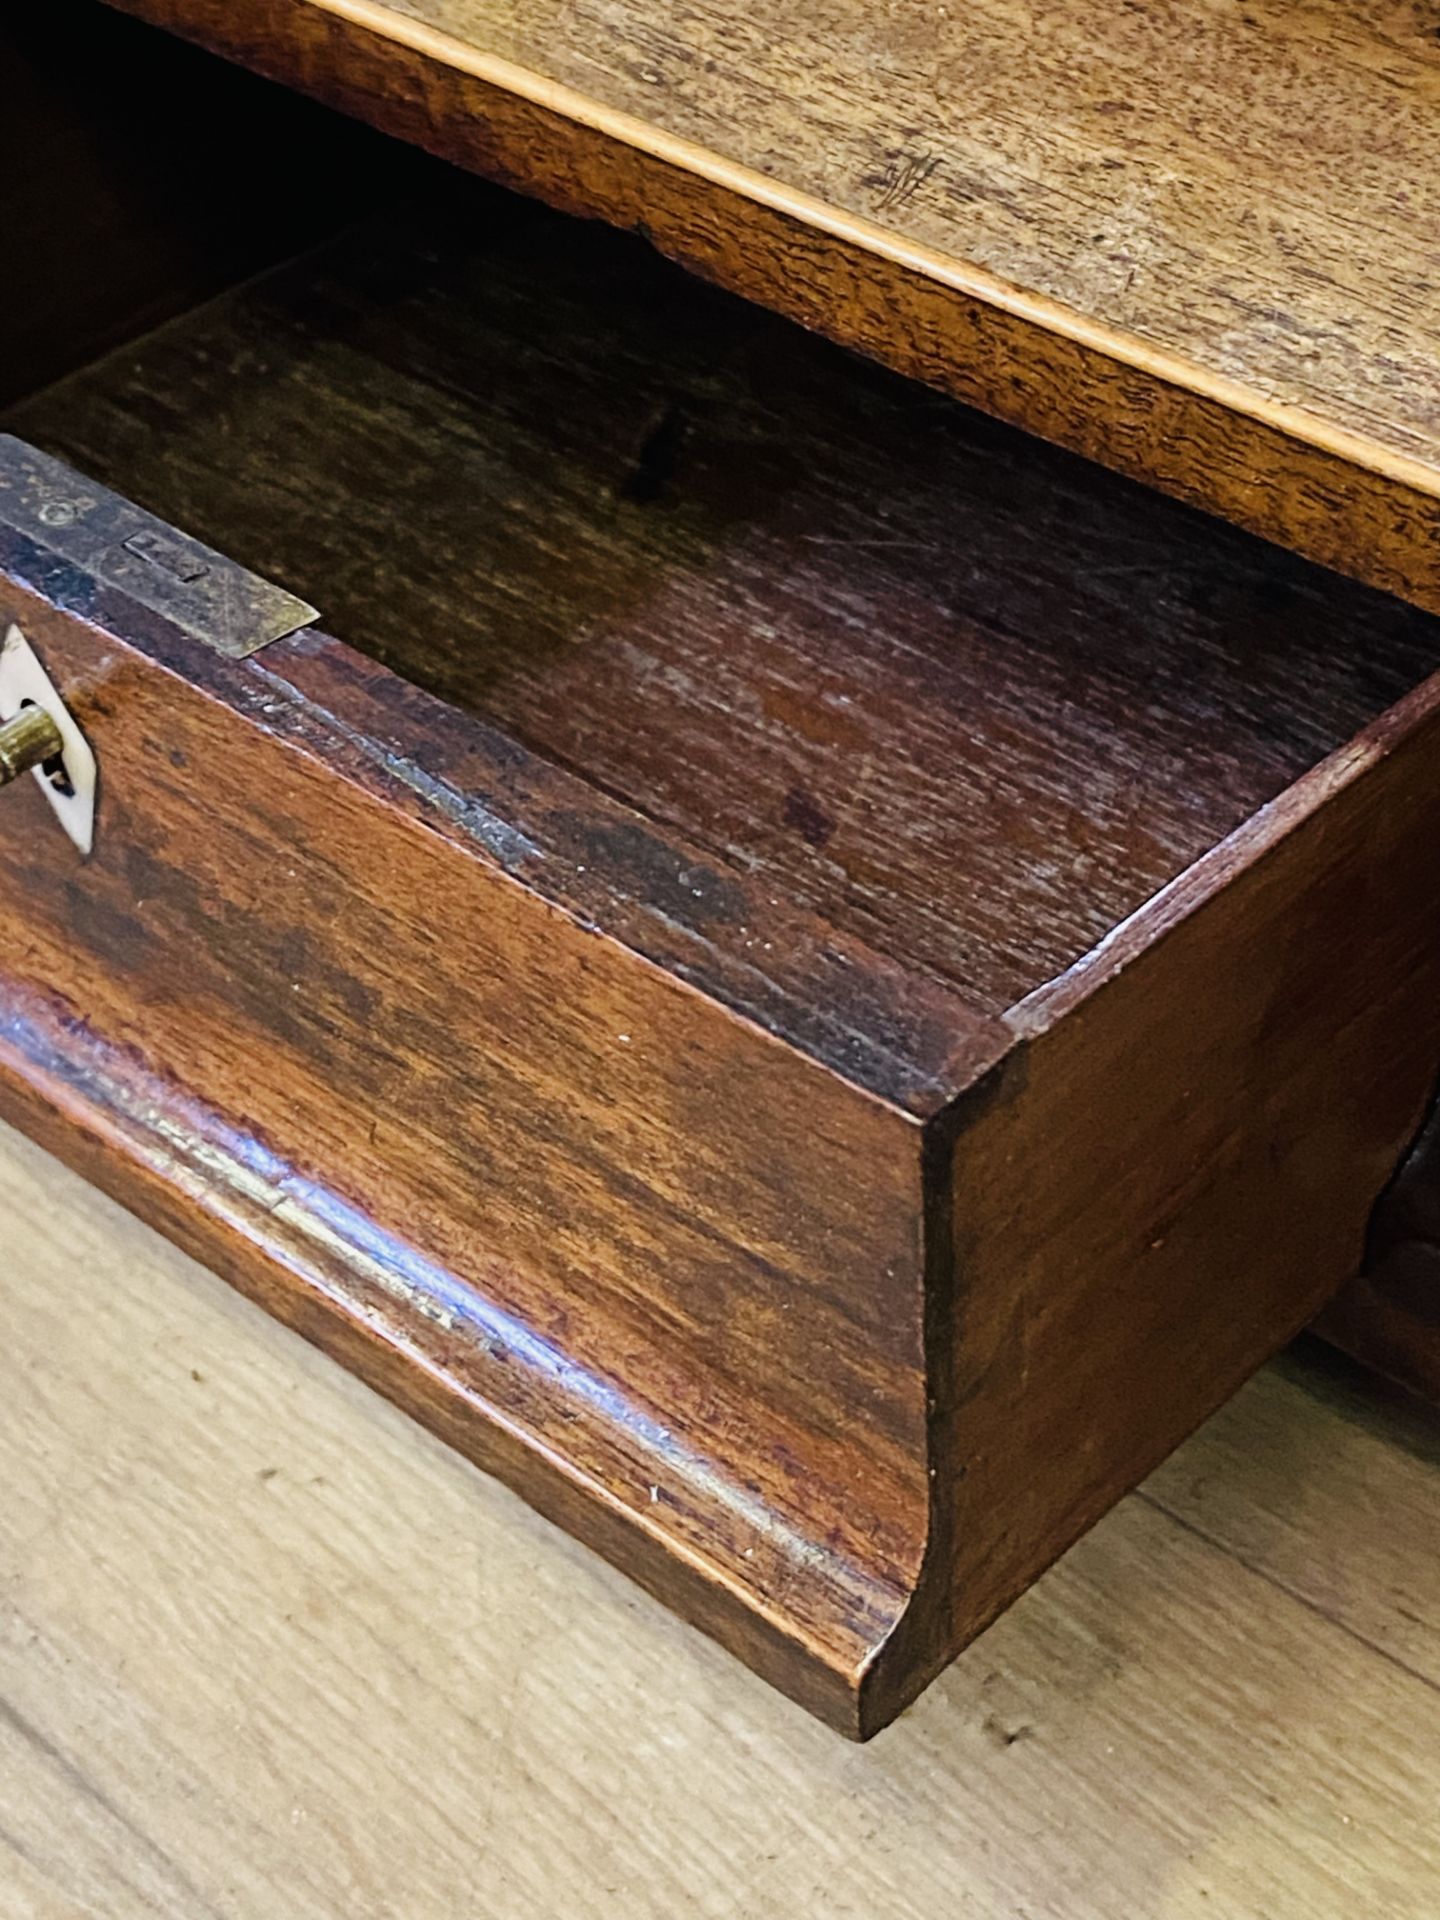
x,y
648,1097
1233,1074
813,1008
1194,242
658,1267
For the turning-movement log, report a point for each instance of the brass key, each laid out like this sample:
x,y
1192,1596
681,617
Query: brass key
x,y
27,741
42,736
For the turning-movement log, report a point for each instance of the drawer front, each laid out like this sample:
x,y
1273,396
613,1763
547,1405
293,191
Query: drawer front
x,y
644,1259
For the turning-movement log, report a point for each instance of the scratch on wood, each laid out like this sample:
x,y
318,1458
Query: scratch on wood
x,y
902,179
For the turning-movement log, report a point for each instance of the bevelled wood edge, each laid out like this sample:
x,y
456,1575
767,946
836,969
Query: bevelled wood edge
x,y
1408,726
993,1508
883,1025
1343,500
896,1034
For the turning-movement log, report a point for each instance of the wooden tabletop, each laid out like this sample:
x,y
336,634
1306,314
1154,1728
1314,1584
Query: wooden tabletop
x,y
1198,241
266,1649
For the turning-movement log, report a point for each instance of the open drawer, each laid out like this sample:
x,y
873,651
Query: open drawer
x,y
806,978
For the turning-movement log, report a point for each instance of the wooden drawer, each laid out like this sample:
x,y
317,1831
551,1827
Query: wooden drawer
x,y
808,979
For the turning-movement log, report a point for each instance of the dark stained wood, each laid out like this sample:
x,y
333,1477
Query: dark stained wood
x,y
843,635
1196,243
809,981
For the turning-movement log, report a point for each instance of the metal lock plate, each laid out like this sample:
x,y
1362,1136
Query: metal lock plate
x,y
108,537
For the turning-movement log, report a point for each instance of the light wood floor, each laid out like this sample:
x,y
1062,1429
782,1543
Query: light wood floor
x,y
268,1651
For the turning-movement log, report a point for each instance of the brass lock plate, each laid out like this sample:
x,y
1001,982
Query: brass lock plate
x,y
206,595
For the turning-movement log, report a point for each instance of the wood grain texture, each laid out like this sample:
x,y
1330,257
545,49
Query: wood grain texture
x,y
1191,242
489,1155
1252,1053
267,1648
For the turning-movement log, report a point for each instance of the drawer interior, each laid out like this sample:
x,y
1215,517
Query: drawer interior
x,y
966,697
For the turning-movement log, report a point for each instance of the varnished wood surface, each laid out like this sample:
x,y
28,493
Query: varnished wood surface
x,y
1252,1053
688,1286
267,1649
850,638
1196,242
